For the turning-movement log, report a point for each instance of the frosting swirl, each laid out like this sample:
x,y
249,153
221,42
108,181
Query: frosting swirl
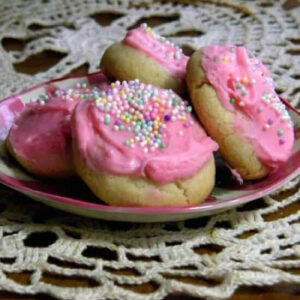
x,y
245,87
159,48
140,130
42,137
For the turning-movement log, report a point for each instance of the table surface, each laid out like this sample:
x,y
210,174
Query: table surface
x,y
47,59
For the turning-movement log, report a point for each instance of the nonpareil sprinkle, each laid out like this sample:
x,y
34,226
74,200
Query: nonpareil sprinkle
x,y
144,112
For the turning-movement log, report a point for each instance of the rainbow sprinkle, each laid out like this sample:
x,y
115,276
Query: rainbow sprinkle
x,y
175,54
132,106
144,110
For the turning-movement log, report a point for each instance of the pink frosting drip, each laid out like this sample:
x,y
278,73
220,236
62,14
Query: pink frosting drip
x,y
184,147
245,87
159,48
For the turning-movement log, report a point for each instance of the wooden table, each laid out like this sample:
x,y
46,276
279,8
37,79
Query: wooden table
x,y
45,60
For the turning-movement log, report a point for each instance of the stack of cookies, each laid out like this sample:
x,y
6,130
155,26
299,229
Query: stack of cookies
x,y
136,139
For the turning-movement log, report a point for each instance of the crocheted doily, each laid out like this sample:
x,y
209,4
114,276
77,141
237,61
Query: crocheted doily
x,y
208,257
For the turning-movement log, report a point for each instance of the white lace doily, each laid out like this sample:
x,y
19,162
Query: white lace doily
x,y
244,246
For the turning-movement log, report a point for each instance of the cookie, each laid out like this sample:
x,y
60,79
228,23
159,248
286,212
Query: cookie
x,y
234,97
139,145
145,55
40,139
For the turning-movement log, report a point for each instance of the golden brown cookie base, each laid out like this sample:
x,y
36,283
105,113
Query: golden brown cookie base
x,y
218,121
123,190
124,62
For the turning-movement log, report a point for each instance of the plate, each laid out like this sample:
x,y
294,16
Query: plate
x,y
73,196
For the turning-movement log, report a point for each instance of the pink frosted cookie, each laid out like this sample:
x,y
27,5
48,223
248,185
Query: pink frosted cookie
x,y
40,139
145,55
140,145
234,97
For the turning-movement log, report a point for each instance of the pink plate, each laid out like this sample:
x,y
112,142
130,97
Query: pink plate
x,y
73,196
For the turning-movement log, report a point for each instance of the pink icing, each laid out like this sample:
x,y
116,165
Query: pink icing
x,y
112,140
42,134
244,86
159,48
